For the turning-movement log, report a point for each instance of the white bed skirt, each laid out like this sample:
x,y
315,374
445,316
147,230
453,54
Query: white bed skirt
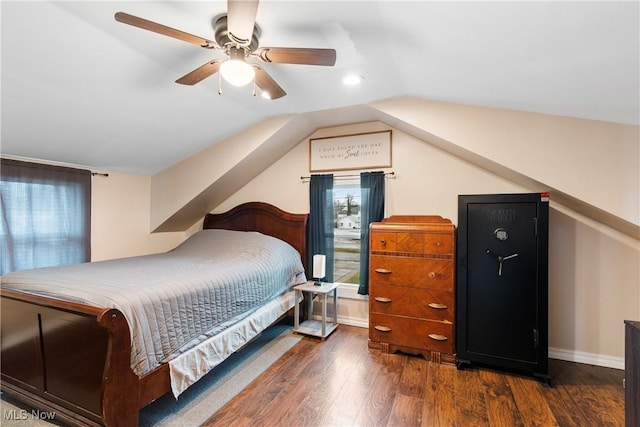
x,y
192,365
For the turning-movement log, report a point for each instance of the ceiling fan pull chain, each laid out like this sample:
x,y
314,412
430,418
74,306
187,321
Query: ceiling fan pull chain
x,y
219,84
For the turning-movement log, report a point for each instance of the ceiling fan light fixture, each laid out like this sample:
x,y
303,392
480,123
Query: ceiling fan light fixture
x,y
236,70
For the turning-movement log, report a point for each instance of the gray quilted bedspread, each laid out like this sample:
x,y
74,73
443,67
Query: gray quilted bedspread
x,y
175,300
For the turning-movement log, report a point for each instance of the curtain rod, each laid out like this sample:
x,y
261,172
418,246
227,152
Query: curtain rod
x,y
350,176
99,174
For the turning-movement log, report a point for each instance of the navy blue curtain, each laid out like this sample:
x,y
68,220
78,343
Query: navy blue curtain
x,y
321,222
45,215
372,210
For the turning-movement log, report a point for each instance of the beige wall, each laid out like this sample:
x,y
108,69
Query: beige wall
x,y
594,285
120,219
594,278
593,167
592,161
182,193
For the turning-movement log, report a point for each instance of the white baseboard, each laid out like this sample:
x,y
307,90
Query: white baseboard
x,y
554,353
354,321
348,291
351,321
587,358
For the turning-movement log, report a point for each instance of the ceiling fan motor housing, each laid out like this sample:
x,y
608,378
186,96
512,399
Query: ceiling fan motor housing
x,y
225,39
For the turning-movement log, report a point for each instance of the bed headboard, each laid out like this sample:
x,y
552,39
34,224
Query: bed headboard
x,y
266,219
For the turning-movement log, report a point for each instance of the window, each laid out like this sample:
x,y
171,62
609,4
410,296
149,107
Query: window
x,y
45,215
352,209
346,240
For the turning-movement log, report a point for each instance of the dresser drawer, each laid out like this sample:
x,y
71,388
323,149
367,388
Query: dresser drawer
x,y
411,302
412,272
438,244
397,242
409,243
414,333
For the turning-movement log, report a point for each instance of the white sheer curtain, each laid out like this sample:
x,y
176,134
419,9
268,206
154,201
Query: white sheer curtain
x,y
45,215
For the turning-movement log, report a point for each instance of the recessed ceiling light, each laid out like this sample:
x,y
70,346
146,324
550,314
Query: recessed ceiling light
x,y
352,80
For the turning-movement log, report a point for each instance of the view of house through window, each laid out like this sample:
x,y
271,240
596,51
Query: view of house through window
x,y
346,213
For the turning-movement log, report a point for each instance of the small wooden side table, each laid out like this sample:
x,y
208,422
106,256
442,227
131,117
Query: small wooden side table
x,y
317,328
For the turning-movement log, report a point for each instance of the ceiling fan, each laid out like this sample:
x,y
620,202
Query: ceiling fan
x,y
236,34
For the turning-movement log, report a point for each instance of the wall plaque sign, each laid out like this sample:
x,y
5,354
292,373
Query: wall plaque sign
x,y
344,152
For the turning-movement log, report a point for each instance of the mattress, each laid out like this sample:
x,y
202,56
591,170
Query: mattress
x,y
193,364
176,300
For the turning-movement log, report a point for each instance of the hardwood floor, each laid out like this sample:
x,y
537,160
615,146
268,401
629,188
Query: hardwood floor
x,y
340,382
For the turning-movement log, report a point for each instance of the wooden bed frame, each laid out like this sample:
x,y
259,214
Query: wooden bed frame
x,y
74,360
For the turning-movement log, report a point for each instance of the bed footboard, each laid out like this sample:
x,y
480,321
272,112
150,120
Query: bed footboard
x,y
74,360
70,360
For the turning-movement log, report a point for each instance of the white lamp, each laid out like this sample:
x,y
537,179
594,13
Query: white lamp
x,y
236,70
319,264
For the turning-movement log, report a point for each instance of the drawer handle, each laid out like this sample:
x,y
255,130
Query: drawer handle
x,y
383,299
438,244
432,275
383,242
437,306
438,337
382,328
383,271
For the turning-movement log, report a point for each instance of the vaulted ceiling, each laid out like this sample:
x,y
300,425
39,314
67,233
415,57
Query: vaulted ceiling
x,y
80,88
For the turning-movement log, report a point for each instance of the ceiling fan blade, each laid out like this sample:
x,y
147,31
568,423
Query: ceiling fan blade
x,y
267,84
125,18
200,73
293,55
241,18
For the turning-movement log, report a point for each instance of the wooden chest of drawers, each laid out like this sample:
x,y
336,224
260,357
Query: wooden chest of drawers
x,y
411,286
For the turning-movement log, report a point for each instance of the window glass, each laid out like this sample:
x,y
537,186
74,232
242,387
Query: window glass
x,y
346,214
45,215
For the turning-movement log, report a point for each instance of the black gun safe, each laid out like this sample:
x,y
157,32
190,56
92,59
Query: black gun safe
x,y
502,282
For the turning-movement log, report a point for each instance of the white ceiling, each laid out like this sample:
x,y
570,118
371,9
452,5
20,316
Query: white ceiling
x,y
80,88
